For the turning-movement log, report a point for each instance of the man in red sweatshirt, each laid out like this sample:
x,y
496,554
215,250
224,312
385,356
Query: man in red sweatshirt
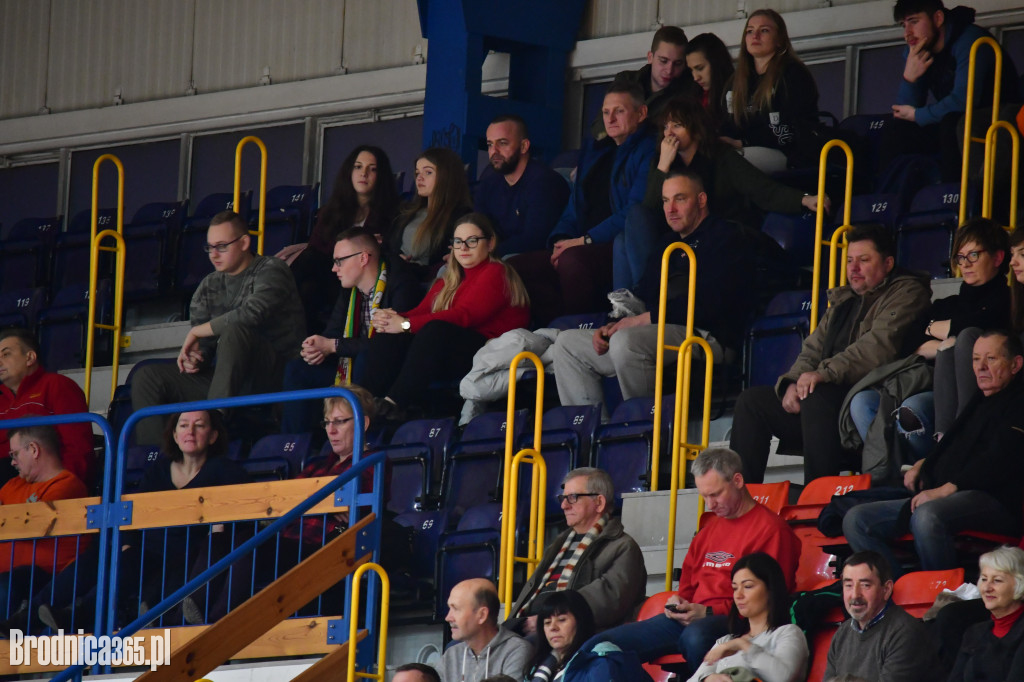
x,y
698,615
29,390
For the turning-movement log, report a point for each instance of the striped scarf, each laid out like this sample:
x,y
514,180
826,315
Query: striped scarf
x,y
344,375
581,547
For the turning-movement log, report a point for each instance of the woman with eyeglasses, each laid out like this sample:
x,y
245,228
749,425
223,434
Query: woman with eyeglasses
x,y
364,195
479,298
980,251
422,230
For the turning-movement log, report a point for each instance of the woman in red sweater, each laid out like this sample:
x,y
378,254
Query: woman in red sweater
x,y
479,298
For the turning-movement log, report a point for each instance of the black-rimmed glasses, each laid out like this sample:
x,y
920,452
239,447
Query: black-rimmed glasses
x,y
339,261
574,497
220,248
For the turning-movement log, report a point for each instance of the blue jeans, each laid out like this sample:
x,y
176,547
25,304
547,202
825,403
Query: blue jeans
x,y
660,636
933,525
864,407
632,249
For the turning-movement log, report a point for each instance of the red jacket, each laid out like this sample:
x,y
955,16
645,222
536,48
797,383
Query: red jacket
x,y
481,303
45,393
707,568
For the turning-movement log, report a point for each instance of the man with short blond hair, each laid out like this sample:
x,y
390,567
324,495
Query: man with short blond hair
x,y
247,313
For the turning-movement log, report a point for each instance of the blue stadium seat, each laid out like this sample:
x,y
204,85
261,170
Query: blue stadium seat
x,y
149,265
71,250
417,452
869,131
774,339
924,235
62,327
795,234
26,252
624,446
872,208
137,459
289,209
566,439
19,307
470,551
278,456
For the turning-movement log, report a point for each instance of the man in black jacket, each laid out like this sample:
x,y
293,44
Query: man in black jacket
x,y
974,478
369,281
626,348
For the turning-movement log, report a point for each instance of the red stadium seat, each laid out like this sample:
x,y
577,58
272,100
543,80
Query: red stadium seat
x,y
916,592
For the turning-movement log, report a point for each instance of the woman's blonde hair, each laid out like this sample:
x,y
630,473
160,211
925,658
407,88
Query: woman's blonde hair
x,y
455,273
745,69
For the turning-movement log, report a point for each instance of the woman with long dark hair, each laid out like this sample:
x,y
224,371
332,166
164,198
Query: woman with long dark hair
x,y
567,622
479,297
364,195
421,232
773,99
711,65
761,637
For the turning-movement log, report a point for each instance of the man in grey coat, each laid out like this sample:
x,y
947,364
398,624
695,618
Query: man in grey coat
x,y
594,556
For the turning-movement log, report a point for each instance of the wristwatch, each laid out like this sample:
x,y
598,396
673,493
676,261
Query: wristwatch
x,y
406,325
587,239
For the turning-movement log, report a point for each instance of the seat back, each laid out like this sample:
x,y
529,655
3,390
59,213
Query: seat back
x,y
429,438
137,459
772,495
473,478
916,592
773,343
293,448
62,327
821,490
873,208
19,307
794,233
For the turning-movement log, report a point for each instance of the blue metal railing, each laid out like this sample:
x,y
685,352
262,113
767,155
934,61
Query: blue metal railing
x,y
112,513
108,439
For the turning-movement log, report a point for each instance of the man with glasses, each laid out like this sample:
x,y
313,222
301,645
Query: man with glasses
x,y
370,281
594,556
35,452
246,314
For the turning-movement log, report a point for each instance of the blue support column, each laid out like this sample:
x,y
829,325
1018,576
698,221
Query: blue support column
x,y
537,35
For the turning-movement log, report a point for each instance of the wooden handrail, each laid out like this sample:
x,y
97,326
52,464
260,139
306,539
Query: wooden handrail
x,y
220,504
229,635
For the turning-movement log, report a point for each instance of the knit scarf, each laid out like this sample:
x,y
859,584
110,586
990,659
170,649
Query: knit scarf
x,y
344,375
581,547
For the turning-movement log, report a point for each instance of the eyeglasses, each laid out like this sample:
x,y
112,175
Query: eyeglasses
x,y
336,423
972,256
339,261
220,248
467,243
14,452
574,497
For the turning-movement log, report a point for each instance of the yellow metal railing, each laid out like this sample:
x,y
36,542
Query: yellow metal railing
x,y
353,626
990,171
659,371
538,512
259,232
969,117
682,450
510,487
94,250
834,245
819,223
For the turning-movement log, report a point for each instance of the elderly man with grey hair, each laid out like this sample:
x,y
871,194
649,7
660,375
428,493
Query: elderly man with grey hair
x,y
697,616
594,556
